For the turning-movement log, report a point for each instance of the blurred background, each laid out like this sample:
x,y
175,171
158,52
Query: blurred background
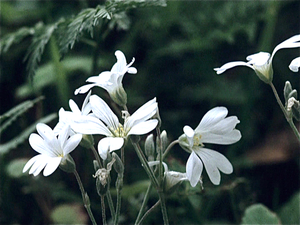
x,y
176,47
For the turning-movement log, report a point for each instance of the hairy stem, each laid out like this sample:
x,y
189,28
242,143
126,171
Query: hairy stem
x,y
103,211
288,118
148,212
85,198
144,203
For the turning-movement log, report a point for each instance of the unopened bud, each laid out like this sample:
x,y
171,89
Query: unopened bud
x,y
150,147
118,165
164,140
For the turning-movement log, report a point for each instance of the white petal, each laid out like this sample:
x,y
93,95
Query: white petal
x,y
103,112
30,163
211,118
39,145
144,113
90,125
52,165
109,144
295,64
74,107
83,89
119,66
225,139
225,125
143,127
194,169
230,65
258,59
213,162
39,164
132,70
72,143
292,42
189,132
49,136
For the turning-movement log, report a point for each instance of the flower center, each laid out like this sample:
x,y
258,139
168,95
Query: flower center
x,y
119,132
197,140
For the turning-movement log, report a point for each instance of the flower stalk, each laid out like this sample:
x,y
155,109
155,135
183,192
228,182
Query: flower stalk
x,y
288,118
85,198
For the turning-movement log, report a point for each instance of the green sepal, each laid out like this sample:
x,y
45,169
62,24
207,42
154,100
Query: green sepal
x,y
67,164
287,90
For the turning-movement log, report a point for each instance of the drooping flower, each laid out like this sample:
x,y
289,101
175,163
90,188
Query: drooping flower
x,y
105,122
111,80
171,178
66,118
295,64
214,128
261,62
53,149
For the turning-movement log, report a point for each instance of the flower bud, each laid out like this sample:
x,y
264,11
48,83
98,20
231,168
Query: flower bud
x,y
118,165
287,90
67,164
172,180
164,139
150,147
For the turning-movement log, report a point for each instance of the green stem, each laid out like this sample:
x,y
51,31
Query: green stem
x,y
110,205
169,148
61,76
160,158
119,186
148,212
145,164
163,207
85,198
288,118
103,210
144,203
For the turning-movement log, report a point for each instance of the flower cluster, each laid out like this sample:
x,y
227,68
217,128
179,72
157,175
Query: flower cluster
x,y
96,118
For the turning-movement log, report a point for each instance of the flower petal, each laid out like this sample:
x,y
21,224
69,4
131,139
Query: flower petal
x,y
144,113
211,118
213,162
83,89
292,42
90,125
119,66
194,169
230,65
72,143
74,107
258,59
39,145
52,165
49,137
189,132
295,64
109,144
225,139
143,127
103,112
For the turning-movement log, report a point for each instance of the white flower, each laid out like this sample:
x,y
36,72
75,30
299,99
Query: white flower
x,y
295,64
105,122
261,62
52,148
111,80
172,178
213,128
66,118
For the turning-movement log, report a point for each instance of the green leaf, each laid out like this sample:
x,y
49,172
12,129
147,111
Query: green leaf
x,y
14,168
259,214
72,29
40,39
14,38
69,214
289,213
4,148
15,112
